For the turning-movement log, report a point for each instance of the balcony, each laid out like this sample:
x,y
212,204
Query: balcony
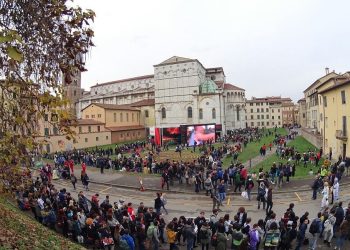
x,y
341,135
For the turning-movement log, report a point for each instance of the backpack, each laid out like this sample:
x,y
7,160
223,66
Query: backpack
x,y
214,240
123,245
150,231
203,234
261,191
314,227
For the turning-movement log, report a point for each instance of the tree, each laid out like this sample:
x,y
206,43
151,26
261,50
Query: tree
x,y
41,42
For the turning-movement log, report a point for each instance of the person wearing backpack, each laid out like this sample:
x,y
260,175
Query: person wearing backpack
x,y
205,235
128,239
315,230
301,234
328,229
261,195
153,235
237,237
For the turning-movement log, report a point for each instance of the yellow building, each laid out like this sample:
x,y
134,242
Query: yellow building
x,y
147,113
103,124
89,133
335,114
302,113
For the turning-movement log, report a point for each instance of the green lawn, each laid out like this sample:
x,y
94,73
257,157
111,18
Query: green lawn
x,y
301,145
253,148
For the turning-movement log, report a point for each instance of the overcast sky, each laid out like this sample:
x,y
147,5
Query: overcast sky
x,y
267,47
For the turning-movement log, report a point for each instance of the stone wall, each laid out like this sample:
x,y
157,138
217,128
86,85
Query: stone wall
x,y
314,139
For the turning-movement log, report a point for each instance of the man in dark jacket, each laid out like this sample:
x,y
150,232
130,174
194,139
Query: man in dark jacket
x,y
157,203
315,186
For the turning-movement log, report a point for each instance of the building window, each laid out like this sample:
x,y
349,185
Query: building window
x,y
87,116
273,110
200,114
106,137
55,130
267,110
251,111
273,123
213,113
273,117
279,117
80,130
262,116
278,110
163,113
325,101
237,113
258,110
258,116
252,117
132,117
54,117
75,93
267,123
262,123
343,100
92,116
251,104
121,117
258,124
89,129
252,124
98,128
121,135
114,117
99,115
96,138
189,112
303,115
279,123
86,139
344,126
127,117
267,116
46,131
146,113
46,117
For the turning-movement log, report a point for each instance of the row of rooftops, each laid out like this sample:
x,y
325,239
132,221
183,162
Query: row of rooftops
x,y
269,99
113,129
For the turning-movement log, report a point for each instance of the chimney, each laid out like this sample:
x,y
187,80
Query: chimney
x,y
327,71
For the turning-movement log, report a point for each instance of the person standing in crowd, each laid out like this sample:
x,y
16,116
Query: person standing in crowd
x,y
261,194
190,234
335,190
249,185
325,196
158,204
269,202
164,202
344,230
85,180
315,230
315,186
328,232
205,234
171,236
74,180
222,191
301,234
208,186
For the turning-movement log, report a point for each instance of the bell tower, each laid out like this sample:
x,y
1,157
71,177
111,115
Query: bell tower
x,y
72,89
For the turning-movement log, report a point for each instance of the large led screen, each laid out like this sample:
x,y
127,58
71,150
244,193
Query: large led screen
x,y
201,134
171,135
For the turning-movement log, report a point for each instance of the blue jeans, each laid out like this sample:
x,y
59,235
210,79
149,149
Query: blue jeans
x,y
222,197
313,241
340,241
190,244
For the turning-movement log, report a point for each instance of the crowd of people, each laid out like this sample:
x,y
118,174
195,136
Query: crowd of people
x,y
104,224
124,225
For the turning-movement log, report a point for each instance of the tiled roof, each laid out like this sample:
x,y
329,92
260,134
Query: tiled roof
x,y
230,86
147,102
338,84
270,99
125,128
125,80
113,106
88,122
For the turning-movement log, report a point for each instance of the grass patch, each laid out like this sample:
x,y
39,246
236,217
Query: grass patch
x,y
301,145
18,231
253,148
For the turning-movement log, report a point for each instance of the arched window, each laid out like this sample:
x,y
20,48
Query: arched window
x,y
163,113
189,112
237,113
200,114
213,113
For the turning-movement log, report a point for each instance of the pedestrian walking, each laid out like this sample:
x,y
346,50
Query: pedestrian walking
x,y
269,202
85,180
315,230
164,202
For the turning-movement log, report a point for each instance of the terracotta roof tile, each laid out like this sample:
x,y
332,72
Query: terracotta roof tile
x,y
125,128
147,102
113,106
